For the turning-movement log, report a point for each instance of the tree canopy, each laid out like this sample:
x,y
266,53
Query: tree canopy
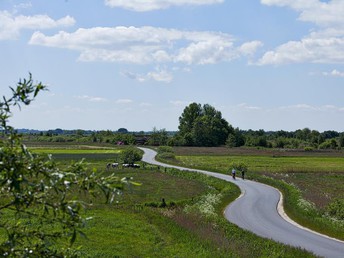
x,y
203,126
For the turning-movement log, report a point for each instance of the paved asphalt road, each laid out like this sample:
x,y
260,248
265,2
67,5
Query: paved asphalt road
x,y
256,211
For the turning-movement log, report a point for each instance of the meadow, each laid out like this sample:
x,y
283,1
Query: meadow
x,y
172,214
312,182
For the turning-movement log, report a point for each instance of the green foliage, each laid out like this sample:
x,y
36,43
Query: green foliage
x,y
304,212
166,153
37,199
336,209
131,155
203,126
158,137
164,149
239,166
329,144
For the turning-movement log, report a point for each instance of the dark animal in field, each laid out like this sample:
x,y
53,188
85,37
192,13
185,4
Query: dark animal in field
x,y
112,165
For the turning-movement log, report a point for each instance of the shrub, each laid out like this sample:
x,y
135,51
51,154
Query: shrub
x,y
166,152
130,155
308,148
336,209
163,149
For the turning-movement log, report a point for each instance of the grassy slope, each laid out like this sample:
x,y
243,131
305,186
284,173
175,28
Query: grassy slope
x,y
132,229
310,181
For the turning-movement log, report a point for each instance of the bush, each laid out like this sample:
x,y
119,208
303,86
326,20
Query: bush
x,y
336,209
130,155
166,152
163,149
167,155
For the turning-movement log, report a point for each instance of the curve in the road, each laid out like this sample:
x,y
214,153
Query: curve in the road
x,y
259,210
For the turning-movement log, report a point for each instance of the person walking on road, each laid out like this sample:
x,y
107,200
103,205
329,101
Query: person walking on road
x,y
233,173
243,174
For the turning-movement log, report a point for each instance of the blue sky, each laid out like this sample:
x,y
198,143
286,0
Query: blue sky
x,y
265,64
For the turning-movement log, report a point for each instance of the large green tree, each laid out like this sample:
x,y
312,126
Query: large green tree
x,y
203,126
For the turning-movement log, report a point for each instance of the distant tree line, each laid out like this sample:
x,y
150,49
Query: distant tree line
x,y
300,139
120,137
204,126
199,125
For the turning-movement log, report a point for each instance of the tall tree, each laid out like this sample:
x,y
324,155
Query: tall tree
x,y
188,117
203,126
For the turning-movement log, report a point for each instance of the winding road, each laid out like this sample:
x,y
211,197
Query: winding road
x,y
259,209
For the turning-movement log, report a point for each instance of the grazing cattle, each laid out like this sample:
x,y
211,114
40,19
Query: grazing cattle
x,y
112,165
131,165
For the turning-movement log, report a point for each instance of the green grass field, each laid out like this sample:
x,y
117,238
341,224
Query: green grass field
x,y
310,181
139,225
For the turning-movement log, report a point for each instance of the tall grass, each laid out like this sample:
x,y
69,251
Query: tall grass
x,y
259,166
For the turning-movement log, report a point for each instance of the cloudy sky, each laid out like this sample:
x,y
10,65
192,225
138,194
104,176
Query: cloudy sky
x,y
265,64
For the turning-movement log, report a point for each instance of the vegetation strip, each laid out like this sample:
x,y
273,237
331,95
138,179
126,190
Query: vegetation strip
x,y
283,214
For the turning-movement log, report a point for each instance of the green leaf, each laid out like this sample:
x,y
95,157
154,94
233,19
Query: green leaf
x,y
72,240
135,183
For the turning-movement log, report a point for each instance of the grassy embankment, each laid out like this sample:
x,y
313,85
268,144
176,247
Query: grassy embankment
x,y
310,181
191,224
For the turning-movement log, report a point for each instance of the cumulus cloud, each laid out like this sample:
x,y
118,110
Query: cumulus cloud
x,y
159,75
249,48
324,45
11,25
334,73
315,11
151,5
144,45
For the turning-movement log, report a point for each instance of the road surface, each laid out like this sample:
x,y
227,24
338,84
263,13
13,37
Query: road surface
x,y
260,211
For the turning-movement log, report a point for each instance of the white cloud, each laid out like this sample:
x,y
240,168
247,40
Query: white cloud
x,y
159,75
145,104
11,25
180,103
92,99
310,108
249,48
133,76
314,48
144,45
124,101
334,73
150,5
22,6
315,11
325,45
248,107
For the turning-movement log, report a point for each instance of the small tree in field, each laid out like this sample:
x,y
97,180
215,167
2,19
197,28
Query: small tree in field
x,y
40,214
130,155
